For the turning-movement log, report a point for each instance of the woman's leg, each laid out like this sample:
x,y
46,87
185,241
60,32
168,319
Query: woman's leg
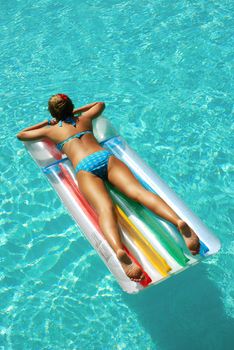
x,y
121,177
94,190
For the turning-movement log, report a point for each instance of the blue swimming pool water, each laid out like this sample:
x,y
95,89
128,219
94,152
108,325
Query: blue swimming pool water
x,y
165,71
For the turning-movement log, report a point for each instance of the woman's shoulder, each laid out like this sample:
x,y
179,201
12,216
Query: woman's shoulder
x,y
84,124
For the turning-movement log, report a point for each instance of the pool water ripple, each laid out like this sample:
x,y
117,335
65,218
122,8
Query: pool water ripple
x,y
165,71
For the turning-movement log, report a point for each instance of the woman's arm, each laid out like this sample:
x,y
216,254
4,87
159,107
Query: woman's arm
x,y
94,111
34,132
37,126
84,108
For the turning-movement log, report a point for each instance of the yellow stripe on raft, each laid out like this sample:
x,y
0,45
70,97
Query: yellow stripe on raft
x,y
141,242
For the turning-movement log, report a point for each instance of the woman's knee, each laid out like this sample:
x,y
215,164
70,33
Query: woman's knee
x,y
106,209
135,193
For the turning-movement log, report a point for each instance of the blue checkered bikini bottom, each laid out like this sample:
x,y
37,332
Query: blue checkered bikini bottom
x,y
96,163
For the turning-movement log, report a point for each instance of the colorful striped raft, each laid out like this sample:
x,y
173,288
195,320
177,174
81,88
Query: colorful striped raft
x,y
153,243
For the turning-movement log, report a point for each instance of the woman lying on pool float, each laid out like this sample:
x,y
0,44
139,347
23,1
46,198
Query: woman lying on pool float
x,y
93,164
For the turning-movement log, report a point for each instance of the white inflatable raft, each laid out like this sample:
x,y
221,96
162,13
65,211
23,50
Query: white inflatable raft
x,y
153,243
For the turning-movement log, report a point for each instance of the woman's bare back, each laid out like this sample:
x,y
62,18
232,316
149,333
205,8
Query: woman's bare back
x,y
77,148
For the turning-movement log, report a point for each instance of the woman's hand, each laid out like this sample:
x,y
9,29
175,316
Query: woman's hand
x,y
53,122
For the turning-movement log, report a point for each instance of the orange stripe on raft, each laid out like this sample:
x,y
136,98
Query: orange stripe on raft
x,y
91,214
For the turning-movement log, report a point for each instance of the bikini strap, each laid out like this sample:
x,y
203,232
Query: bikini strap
x,y
69,120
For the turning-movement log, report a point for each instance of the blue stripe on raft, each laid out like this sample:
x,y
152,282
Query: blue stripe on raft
x,y
47,170
203,248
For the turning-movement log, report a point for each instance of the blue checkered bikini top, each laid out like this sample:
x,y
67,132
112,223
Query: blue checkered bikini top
x,y
78,135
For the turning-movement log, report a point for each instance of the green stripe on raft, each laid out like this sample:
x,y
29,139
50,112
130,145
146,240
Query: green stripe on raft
x,y
151,223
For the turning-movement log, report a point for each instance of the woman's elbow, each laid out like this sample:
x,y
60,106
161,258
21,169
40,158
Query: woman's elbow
x,y
102,105
20,135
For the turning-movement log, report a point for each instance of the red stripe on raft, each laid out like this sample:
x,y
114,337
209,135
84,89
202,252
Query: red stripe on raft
x,y
83,203
52,148
91,214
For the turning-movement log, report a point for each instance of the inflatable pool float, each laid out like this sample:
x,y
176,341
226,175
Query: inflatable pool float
x,y
152,242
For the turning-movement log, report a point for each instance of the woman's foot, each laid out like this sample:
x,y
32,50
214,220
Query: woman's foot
x,y
133,271
190,237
